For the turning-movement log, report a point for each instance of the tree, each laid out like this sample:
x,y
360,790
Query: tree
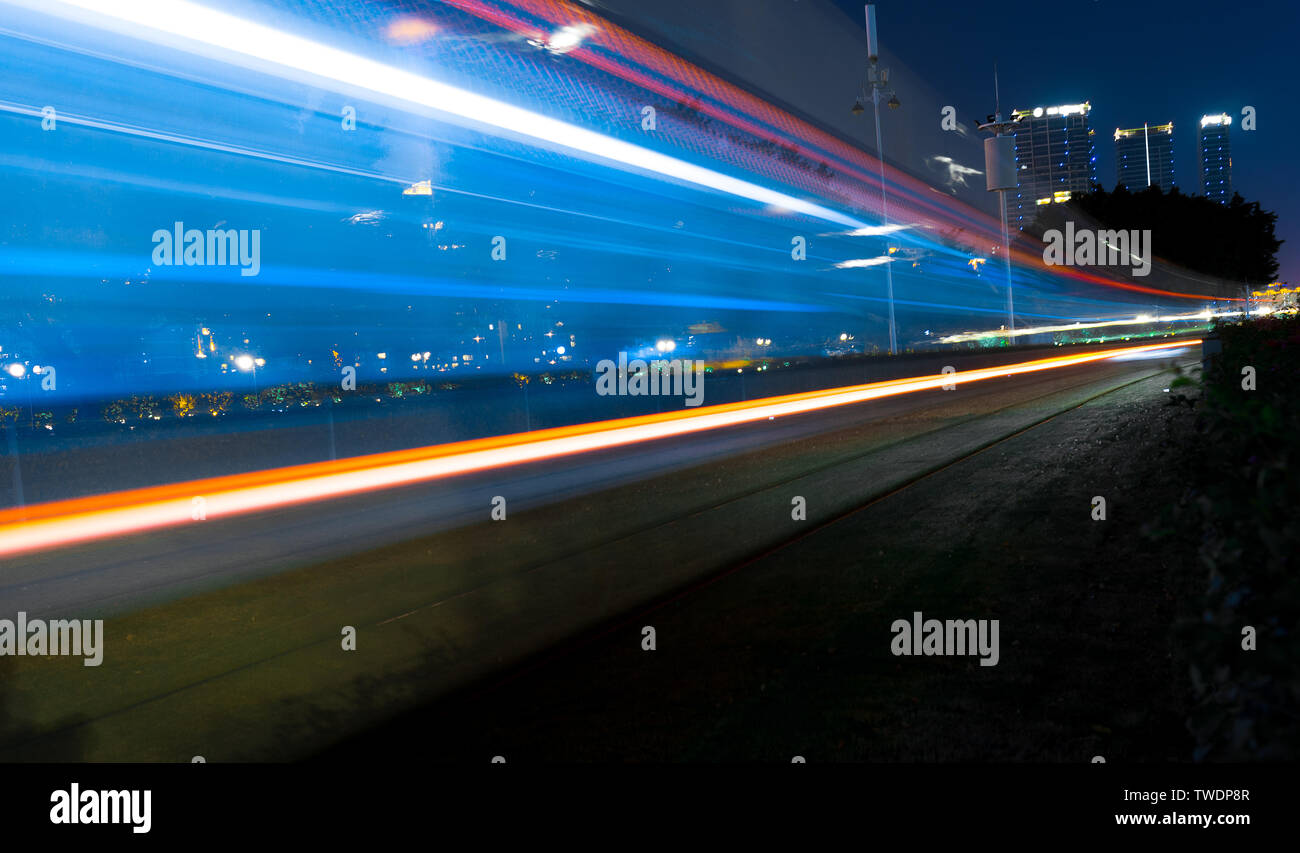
x,y
1233,241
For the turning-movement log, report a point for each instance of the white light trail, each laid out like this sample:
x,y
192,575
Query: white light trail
x,y
189,26
857,263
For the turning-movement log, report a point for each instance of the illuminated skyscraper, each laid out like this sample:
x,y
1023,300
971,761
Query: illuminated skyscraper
x,y
1144,156
1054,156
1215,155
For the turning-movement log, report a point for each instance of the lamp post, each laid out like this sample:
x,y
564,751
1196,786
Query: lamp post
x,y
18,371
1000,175
878,80
249,364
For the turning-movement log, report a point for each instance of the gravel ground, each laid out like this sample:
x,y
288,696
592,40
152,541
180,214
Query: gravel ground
x,y
790,654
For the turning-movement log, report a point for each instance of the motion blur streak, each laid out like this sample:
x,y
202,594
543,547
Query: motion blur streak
x,y
1201,317
58,523
191,22
742,110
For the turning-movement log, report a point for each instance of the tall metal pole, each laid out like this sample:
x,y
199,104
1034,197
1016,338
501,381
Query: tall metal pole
x,y
1001,177
884,206
1006,257
11,433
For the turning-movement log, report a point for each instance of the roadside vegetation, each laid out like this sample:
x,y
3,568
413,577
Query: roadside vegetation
x,y
1239,512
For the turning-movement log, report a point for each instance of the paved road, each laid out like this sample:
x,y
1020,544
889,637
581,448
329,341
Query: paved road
x,y
440,597
116,575
788,654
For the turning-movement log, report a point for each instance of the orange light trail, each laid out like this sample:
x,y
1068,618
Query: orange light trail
x,y
61,523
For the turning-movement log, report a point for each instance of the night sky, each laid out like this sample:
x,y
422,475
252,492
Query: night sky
x,y
1151,60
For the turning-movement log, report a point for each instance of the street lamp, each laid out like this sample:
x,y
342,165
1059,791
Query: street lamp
x,y
1000,177
248,364
878,80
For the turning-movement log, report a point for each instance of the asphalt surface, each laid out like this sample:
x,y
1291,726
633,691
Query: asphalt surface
x,y
114,576
788,653
237,654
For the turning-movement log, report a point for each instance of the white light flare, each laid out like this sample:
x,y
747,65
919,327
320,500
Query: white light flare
x,y
566,39
857,263
876,230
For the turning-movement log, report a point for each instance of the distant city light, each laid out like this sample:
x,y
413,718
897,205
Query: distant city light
x,y
244,362
1064,110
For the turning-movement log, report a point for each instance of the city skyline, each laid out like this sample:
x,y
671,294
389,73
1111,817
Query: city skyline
x,y
1144,156
1152,65
1214,157
1055,156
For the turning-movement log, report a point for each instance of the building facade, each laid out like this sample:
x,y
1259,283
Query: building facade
x,y
1144,156
1054,157
1215,155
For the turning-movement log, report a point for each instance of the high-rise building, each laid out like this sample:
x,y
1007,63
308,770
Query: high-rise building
x,y
1054,157
1144,156
1216,157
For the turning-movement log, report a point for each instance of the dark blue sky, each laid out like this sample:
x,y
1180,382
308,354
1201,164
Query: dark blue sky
x,y
1135,61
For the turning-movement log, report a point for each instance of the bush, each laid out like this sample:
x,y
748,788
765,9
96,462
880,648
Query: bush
x,y
1242,512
